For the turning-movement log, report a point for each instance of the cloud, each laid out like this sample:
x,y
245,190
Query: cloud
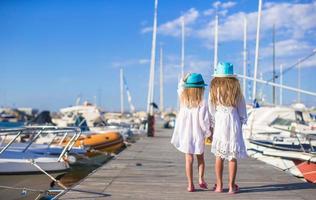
x,y
294,22
192,64
209,12
286,48
291,20
228,4
173,27
131,62
219,8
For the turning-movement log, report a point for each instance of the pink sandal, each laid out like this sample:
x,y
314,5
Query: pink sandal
x,y
203,185
235,190
215,187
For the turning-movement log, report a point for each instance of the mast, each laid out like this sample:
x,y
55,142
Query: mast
x,y
245,56
129,96
161,81
273,61
281,83
215,42
182,46
254,92
122,90
299,81
150,96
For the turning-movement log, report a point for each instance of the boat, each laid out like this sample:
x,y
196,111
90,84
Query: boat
x,y
304,161
110,142
24,170
277,129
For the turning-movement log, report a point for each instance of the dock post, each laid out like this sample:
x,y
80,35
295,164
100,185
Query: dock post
x,y
150,125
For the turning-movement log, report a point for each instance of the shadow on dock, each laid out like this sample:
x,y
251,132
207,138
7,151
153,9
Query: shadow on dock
x,y
87,194
278,187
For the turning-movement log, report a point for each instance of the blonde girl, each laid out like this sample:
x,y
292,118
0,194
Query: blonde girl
x,y
228,113
192,126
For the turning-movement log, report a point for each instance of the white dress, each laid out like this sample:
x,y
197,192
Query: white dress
x,y
227,122
191,128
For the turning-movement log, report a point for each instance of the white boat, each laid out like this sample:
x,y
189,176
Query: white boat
x,y
23,168
276,128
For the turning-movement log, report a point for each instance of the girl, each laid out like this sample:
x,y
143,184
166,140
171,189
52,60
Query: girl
x,y
192,126
228,113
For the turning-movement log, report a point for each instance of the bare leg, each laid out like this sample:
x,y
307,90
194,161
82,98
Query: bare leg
x,y
219,173
201,167
232,174
188,169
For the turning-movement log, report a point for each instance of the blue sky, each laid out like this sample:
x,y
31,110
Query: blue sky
x,y
54,51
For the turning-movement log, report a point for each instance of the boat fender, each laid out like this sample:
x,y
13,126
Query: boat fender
x,y
71,159
24,192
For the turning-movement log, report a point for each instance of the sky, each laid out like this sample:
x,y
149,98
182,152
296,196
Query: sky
x,y
54,51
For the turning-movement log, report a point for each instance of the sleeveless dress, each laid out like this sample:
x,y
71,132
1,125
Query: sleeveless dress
x,y
228,142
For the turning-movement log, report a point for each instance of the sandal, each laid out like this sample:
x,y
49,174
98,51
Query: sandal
x,y
203,185
215,189
235,190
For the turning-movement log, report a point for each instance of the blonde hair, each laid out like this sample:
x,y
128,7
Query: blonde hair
x,y
225,91
192,97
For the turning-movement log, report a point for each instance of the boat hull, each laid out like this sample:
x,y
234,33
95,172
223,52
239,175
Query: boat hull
x,y
38,182
110,142
307,168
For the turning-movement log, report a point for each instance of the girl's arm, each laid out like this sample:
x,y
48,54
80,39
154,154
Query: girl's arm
x,y
204,121
212,111
242,111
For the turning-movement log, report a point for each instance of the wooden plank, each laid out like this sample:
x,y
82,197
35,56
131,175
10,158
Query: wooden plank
x,y
153,169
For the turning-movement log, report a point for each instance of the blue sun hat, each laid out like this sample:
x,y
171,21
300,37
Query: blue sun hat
x,y
194,80
224,69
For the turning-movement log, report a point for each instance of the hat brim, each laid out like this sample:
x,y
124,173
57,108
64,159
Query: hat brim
x,y
224,75
194,85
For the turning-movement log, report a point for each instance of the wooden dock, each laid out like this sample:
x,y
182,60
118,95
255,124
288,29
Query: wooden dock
x,y
153,169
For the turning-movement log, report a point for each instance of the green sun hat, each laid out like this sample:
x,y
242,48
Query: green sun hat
x,y
194,80
224,69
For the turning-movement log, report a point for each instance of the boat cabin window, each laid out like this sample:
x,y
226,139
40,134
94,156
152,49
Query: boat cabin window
x,y
282,121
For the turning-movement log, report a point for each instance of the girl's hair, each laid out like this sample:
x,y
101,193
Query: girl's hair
x,y
225,91
192,97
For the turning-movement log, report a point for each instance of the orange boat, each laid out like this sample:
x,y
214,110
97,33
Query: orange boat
x,y
110,142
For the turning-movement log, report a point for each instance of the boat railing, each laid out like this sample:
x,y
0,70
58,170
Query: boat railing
x,y
40,130
302,135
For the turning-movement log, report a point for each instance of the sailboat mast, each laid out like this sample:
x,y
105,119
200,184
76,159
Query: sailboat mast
x,y
245,56
122,90
299,81
182,46
215,42
150,96
273,64
254,92
161,81
281,83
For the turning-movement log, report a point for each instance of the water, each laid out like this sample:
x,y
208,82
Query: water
x,y
11,124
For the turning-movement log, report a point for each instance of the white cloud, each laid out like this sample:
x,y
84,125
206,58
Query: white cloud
x,y
173,27
209,12
143,61
131,62
216,4
291,20
286,48
294,22
192,64
228,4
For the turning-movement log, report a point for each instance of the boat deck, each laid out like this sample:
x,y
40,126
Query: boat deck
x,y
153,169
